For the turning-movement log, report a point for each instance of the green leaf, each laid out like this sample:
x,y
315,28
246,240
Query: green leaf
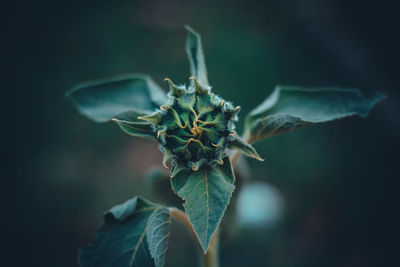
x,y
131,125
240,144
290,108
134,234
143,129
106,99
195,53
158,234
206,193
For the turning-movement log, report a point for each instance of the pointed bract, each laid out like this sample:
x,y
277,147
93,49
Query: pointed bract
x,y
154,119
198,164
141,129
197,87
236,142
178,167
175,90
167,155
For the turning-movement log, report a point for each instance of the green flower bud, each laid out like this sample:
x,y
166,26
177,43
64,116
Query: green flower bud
x,y
195,126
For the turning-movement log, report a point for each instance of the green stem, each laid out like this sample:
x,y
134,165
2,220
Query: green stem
x,y
183,218
211,259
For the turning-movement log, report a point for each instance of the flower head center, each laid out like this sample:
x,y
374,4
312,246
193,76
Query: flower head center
x,y
196,130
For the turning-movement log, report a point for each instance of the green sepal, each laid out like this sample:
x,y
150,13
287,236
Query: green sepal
x,y
167,155
178,167
206,193
216,100
200,90
154,119
217,121
174,89
236,142
141,129
204,105
233,113
198,164
161,134
187,101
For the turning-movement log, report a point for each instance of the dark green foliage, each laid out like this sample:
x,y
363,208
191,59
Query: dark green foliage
x,y
134,234
195,128
111,98
290,108
206,194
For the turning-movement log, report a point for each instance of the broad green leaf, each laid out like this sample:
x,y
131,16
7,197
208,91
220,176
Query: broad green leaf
x,y
290,108
195,53
206,193
106,99
134,234
158,234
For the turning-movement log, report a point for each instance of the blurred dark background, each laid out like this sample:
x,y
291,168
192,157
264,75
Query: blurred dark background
x,y
60,171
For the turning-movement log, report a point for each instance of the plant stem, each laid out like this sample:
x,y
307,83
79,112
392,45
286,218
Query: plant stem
x,y
183,218
211,258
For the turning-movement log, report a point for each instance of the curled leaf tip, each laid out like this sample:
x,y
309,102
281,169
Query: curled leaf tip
x,y
164,107
165,165
154,119
235,111
198,88
174,89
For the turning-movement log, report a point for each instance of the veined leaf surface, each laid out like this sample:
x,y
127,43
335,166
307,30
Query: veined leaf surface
x,y
206,193
290,108
134,234
105,99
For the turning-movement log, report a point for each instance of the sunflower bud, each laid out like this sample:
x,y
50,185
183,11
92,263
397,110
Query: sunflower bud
x,y
194,126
